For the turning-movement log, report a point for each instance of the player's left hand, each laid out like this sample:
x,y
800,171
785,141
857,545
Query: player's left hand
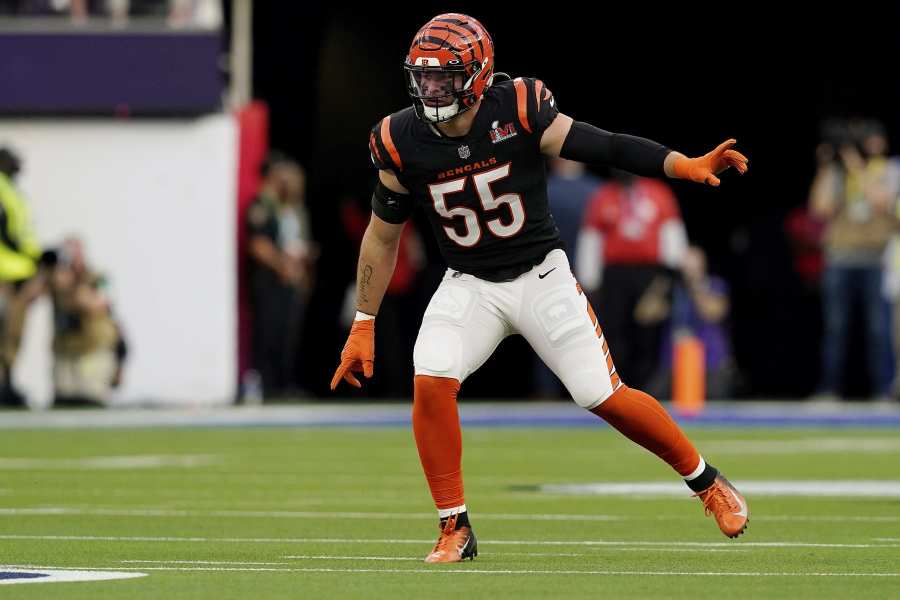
x,y
705,168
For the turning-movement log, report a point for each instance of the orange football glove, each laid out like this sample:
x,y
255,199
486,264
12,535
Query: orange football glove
x,y
358,354
705,168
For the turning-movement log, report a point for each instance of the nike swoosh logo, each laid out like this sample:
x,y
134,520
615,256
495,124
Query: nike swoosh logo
x,y
547,273
741,503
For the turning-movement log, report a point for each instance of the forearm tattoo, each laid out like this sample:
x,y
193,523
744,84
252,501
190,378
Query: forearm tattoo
x,y
364,280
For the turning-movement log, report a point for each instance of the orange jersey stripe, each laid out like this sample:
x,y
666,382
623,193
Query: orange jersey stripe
x,y
374,147
522,100
389,143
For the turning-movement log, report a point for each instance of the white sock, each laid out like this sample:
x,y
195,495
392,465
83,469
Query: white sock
x,y
697,472
443,513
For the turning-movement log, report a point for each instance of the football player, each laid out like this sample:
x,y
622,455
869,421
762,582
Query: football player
x,y
470,151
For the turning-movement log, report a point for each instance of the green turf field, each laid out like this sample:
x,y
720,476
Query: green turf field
x,y
277,513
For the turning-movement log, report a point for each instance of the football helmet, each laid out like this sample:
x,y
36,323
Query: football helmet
x,y
449,66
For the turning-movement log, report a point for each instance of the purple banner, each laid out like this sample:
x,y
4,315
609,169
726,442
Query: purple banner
x,y
111,73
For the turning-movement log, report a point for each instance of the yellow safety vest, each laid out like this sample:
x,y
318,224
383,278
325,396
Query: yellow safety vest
x,y
19,249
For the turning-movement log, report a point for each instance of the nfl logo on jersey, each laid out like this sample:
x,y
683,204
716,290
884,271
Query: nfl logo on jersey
x,y
464,152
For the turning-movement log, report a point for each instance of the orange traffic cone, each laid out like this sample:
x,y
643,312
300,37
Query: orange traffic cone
x,y
688,375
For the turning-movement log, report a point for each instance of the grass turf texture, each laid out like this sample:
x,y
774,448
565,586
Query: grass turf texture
x,y
262,495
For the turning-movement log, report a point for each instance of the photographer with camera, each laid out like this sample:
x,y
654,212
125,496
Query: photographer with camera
x,y
855,194
88,348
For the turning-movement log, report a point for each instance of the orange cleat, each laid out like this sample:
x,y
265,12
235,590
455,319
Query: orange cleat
x,y
722,500
454,545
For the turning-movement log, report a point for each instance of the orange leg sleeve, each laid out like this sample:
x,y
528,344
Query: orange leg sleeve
x,y
640,418
439,438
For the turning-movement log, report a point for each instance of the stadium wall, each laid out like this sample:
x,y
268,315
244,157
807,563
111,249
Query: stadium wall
x,y
155,203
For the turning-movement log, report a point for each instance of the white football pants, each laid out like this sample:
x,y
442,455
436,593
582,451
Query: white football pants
x,y
468,317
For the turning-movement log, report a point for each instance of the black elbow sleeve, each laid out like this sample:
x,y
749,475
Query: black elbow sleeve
x,y
589,144
391,206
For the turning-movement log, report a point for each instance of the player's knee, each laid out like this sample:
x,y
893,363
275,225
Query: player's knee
x,y
587,380
588,392
437,353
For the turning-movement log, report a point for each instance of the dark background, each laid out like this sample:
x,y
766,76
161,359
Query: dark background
x,y
688,77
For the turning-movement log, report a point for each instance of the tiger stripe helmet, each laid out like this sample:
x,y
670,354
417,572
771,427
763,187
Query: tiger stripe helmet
x,y
449,66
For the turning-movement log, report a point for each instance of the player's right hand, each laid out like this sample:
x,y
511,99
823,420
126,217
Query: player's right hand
x,y
358,354
705,168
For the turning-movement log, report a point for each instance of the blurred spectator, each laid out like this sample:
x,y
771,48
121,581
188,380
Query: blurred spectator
x,y
20,280
282,256
632,236
78,10
569,187
804,233
178,13
891,284
88,347
197,13
699,308
854,193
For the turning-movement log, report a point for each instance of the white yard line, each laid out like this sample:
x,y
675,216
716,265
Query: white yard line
x,y
200,562
291,514
645,549
326,557
832,518
102,463
812,445
285,514
601,543
567,554
468,571
848,488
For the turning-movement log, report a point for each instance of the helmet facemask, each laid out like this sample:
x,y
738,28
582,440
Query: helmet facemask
x,y
440,93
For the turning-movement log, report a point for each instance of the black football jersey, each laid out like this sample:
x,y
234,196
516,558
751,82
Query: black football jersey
x,y
485,193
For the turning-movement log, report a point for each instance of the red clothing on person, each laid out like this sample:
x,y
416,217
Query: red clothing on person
x,y
631,219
